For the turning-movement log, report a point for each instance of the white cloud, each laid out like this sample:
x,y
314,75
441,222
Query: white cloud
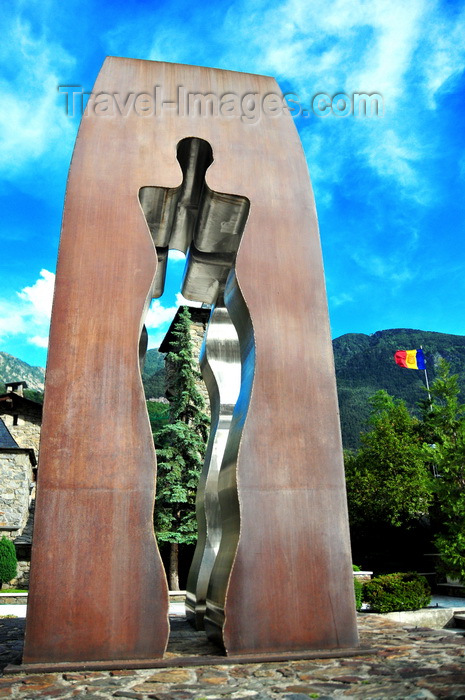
x,y
159,315
32,119
182,301
28,314
394,48
399,159
176,256
444,55
159,318
408,52
387,57
347,44
40,341
40,294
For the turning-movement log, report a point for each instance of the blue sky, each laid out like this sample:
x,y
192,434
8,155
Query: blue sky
x,y
389,190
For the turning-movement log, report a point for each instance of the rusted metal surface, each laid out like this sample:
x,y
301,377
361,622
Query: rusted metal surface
x,y
282,580
186,661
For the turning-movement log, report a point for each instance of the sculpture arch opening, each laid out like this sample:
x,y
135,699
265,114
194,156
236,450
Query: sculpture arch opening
x,y
208,226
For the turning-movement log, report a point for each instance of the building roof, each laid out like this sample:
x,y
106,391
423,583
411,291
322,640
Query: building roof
x,y
6,438
13,401
15,385
25,538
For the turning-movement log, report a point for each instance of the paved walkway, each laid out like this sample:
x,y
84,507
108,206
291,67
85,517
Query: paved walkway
x,y
177,609
19,610
411,662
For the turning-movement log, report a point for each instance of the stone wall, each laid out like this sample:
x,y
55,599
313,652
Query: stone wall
x,y
197,334
23,554
16,507
16,478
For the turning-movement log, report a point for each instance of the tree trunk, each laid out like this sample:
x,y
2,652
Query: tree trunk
x,y
174,566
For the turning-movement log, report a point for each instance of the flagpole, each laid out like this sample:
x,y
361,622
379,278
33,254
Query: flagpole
x,y
427,383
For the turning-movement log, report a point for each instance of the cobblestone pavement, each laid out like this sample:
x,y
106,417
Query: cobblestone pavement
x,y
410,663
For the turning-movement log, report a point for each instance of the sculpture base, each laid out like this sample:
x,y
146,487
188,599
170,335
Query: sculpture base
x,y
181,661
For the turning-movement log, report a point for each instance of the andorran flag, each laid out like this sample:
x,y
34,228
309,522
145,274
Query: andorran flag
x,y
412,359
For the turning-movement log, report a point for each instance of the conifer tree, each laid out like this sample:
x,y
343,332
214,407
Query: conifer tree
x,y
180,450
8,561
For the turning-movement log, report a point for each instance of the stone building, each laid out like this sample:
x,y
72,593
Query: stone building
x,y
17,477
20,422
22,417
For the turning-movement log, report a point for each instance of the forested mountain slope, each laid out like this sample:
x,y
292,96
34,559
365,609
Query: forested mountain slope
x,y
153,374
365,364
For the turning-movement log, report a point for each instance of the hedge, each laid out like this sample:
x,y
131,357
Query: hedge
x,y
396,592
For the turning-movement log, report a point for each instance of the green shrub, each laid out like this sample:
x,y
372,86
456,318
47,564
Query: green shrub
x,y
395,592
8,561
358,589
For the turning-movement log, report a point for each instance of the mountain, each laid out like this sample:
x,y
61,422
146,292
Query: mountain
x,y
365,364
153,374
14,370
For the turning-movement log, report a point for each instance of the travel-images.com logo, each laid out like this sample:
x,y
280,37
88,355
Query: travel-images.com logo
x,y
249,107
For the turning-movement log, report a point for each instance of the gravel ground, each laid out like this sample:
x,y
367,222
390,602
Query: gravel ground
x,y
411,662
